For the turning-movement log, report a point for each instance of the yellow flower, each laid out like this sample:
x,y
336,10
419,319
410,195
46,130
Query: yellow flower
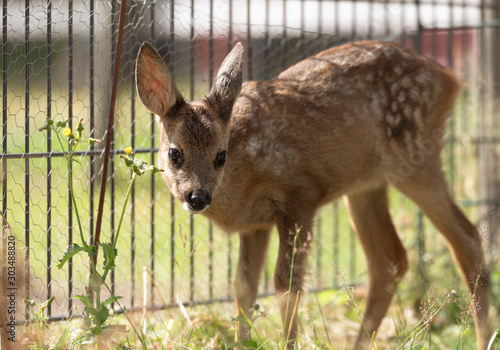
x,y
128,150
67,132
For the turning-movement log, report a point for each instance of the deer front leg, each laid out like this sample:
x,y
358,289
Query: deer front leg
x,y
253,248
290,272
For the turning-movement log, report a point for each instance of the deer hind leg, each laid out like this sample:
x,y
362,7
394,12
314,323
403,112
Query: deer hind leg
x,y
385,255
428,189
288,282
252,254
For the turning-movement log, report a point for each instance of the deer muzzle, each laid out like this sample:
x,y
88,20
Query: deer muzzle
x,y
197,201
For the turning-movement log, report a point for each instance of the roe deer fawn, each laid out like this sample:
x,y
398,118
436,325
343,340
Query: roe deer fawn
x,y
345,122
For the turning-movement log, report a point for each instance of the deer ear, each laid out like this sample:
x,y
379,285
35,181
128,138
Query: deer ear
x,y
227,85
155,86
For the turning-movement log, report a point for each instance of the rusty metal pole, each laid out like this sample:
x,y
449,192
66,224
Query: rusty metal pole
x,y
107,149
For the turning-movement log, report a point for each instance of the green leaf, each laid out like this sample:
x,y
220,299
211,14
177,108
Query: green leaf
x,y
86,300
72,251
249,344
62,339
151,169
155,170
111,300
109,254
96,331
96,281
103,314
128,162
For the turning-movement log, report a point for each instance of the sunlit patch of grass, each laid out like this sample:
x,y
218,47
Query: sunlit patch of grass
x,y
212,326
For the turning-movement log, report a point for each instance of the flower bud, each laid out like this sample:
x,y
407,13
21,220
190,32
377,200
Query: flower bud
x,y
92,141
79,129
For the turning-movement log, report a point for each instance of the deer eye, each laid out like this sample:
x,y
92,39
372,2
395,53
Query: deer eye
x,y
220,160
175,157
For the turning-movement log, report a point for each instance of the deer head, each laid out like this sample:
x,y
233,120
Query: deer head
x,y
194,136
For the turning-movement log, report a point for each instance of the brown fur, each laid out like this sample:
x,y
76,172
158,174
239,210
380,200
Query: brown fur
x,y
346,122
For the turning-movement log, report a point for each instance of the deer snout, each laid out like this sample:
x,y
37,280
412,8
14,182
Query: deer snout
x,y
197,201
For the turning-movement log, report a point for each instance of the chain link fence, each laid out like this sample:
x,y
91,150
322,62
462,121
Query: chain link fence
x,y
57,60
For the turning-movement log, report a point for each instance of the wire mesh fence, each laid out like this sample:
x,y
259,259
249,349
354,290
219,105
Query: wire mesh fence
x,y
57,59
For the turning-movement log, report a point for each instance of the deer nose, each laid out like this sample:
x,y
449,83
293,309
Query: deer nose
x,y
199,200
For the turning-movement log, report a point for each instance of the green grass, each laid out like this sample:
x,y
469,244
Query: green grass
x,y
212,326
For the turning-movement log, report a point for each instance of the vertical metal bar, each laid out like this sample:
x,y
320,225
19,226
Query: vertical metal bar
x,y
370,20
283,39
191,258
354,20
302,30
49,160
267,47
320,26
4,342
482,120
452,115
211,46
132,220
172,199
4,112
249,40
352,249
191,54
319,283
387,19
267,60
210,262
420,224
26,149
112,159
92,120
109,131
335,241
152,188
114,11
418,38
210,78
421,250
492,251
337,18
229,243
433,34
70,117
403,21
464,45
319,236
191,217
172,249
